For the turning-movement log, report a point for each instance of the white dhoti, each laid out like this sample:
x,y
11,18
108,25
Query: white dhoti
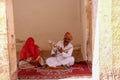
x,y
57,61
64,58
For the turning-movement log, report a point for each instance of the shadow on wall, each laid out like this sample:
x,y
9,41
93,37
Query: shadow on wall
x,y
19,45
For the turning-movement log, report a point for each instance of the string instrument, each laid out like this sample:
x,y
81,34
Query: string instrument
x,y
53,44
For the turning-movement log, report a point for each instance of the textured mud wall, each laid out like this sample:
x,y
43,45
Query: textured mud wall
x,y
109,28
84,28
89,29
8,66
86,23
11,39
4,57
105,40
108,55
116,38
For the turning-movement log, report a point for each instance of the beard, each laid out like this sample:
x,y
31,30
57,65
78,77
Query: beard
x,y
66,42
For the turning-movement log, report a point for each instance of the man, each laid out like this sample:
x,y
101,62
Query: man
x,y
62,53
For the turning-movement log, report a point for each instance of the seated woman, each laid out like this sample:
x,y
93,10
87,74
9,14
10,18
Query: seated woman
x,y
30,53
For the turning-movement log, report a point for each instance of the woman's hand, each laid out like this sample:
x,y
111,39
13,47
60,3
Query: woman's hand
x,y
28,59
32,62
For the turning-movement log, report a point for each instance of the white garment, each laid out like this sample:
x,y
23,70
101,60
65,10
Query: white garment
x,y
26,64
64,58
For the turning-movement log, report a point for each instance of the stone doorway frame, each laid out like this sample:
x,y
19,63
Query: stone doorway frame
x,y
11,49
104,15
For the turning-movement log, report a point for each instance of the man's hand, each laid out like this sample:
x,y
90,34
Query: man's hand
x,y
60,50
53,55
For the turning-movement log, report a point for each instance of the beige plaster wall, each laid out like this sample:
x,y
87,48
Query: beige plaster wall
x,y
84,28
47,19
89,16
86,23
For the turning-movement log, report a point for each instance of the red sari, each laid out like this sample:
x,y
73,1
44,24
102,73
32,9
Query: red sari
x,y
30,50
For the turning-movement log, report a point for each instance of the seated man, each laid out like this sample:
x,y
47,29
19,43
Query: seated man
x,y
62,53
30,53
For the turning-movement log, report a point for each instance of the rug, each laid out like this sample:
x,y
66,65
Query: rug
x,y
77,70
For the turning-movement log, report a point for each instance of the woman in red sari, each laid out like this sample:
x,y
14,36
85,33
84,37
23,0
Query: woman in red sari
x,y
31,53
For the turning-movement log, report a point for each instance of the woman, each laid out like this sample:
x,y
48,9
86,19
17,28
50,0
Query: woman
x,y
31,53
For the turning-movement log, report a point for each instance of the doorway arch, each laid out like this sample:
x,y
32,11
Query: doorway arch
x,y
11,38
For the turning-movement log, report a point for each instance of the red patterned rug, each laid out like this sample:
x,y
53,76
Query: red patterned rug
x,y
77,70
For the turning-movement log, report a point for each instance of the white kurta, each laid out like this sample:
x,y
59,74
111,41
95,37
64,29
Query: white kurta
x,y
64,58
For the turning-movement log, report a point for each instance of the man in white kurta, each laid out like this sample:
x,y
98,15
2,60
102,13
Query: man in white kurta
x,y
62,53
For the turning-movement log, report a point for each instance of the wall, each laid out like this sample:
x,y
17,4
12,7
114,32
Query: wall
x,y
87,28
8,66
4,61
108,44
105,40
11,40
106,57
94,17
88,11
116,38
84,29
47,19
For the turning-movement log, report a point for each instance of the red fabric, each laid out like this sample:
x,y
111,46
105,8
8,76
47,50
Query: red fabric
x,y
29,49
77,70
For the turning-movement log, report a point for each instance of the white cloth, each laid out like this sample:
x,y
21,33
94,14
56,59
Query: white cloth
x,y
64,58
24,64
